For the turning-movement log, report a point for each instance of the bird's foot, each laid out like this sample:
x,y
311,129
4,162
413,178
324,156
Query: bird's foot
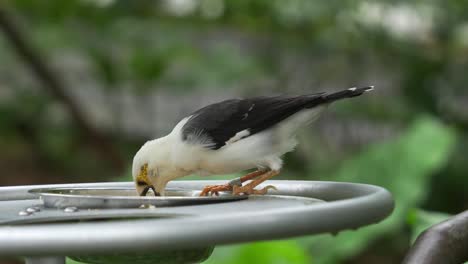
x,y
238,190
249,188
215,189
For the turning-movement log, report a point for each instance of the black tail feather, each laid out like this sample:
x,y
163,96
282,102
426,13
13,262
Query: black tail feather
x,y
350,92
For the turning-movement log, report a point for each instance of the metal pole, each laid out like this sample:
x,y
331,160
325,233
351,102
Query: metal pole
x,y
446,242
45,260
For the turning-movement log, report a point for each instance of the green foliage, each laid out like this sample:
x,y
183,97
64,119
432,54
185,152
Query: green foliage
x,y
420,220
183,256
71,261
147,66
404,167
275,252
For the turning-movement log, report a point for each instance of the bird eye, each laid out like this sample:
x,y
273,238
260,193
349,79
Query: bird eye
x,y
141,183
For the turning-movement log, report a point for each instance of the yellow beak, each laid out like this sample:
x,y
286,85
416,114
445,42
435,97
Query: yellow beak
x,y
142,180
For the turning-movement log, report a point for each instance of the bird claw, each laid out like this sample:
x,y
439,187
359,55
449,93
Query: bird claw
x,y
242,190
211,190
264,190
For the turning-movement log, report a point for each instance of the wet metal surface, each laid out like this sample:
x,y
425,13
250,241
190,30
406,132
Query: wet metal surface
x,y
124,198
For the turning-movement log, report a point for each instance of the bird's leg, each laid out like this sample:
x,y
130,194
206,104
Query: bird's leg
x,y
215,189
252,175
249,188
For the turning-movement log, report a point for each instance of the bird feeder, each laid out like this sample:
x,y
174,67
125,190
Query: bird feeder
x,y
105,223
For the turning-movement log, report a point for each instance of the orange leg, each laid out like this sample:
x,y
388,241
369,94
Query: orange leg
x,y
215,189
249,188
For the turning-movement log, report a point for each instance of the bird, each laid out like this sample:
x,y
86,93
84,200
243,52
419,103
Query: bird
x,y
231,136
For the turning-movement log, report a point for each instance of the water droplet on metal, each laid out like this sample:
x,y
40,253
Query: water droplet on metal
x,y
70,209
24,213
33,209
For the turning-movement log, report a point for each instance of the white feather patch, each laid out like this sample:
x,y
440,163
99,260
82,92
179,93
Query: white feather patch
x,y
196,137
199,138
238,136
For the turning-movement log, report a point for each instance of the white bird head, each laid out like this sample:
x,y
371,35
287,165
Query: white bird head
x,y
148,168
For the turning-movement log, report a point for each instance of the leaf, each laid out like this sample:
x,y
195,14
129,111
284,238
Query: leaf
x,y
175,256
275,252
71,261
420,220
404,167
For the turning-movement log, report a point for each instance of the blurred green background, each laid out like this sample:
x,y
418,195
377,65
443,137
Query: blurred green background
x,y
83,83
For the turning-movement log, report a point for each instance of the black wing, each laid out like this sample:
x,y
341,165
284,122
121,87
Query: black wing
x,y
217,123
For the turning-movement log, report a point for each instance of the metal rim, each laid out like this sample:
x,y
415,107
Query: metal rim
x,y
349,206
